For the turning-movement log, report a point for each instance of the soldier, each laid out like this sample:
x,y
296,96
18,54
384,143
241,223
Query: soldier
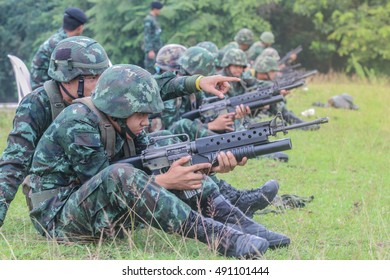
x,y
83,197
266,69
152,36
234,63
198,61
243,41
73,25
266,40
37,110
69,81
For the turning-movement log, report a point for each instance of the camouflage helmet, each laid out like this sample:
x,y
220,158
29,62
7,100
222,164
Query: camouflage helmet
x,y
234,57
197,60
210,46
267,37
76,56
168,57
265,64
270,52
244,36
125,89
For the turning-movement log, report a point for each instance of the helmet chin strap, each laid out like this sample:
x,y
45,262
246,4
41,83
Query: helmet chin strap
x,y
124,128
80,89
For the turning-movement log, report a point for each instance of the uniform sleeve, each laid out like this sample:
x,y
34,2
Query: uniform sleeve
x,y
172,86
31,119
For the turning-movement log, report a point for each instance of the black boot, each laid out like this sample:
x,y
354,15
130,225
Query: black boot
x,y
221,210
250,201
228,241
291,118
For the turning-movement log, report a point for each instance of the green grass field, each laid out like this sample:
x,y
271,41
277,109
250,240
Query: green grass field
x,y
344,165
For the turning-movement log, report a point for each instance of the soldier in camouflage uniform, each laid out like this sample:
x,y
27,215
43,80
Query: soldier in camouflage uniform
x,y
83,197
73,25
266,69
234,63
152,36
266,40
243,41
37,110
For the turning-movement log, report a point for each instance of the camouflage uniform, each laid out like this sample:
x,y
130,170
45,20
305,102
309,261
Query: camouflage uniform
x,y
34,114
33,117
266,39
41,60
237,57
243,37
152,40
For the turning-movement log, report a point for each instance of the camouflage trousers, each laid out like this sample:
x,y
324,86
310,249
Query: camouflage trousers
x,y
119,197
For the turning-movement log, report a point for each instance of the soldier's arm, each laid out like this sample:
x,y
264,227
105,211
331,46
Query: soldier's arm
x,y
172,86
32,117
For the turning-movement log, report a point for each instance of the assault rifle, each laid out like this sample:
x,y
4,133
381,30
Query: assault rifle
x,y
250,143
286,58
296,76
260,97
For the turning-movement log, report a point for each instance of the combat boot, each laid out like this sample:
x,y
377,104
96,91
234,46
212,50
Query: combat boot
x,y
221,210
250,201
227,241
290,118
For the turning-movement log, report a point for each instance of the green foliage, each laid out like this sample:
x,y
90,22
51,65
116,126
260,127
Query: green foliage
x,y
330,31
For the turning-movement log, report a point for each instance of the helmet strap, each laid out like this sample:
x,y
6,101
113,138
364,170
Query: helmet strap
x,y
80,88
65,90
124,128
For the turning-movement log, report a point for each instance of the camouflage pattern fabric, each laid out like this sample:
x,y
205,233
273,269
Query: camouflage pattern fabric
x,y
41,60
244,36
32,118
254,51
234,57
134,91
237,88
168,57
266,64
101,198
152,40
270,52
194,129
210,46
197,60
77,56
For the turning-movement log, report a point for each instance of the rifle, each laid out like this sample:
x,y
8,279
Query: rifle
x,y
250,143
260,97
296,76
285,59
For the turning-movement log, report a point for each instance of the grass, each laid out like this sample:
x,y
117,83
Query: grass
x,y
344,165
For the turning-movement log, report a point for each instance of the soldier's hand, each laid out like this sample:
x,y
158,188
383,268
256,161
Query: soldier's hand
x,y
182,176
284,92
217,84
222,123
227,162
242,111
151,54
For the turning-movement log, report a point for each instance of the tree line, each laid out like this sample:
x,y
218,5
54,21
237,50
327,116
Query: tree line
x,y
350,36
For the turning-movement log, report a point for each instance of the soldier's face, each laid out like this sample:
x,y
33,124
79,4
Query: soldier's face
x,y
137,123
90,84
236,70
